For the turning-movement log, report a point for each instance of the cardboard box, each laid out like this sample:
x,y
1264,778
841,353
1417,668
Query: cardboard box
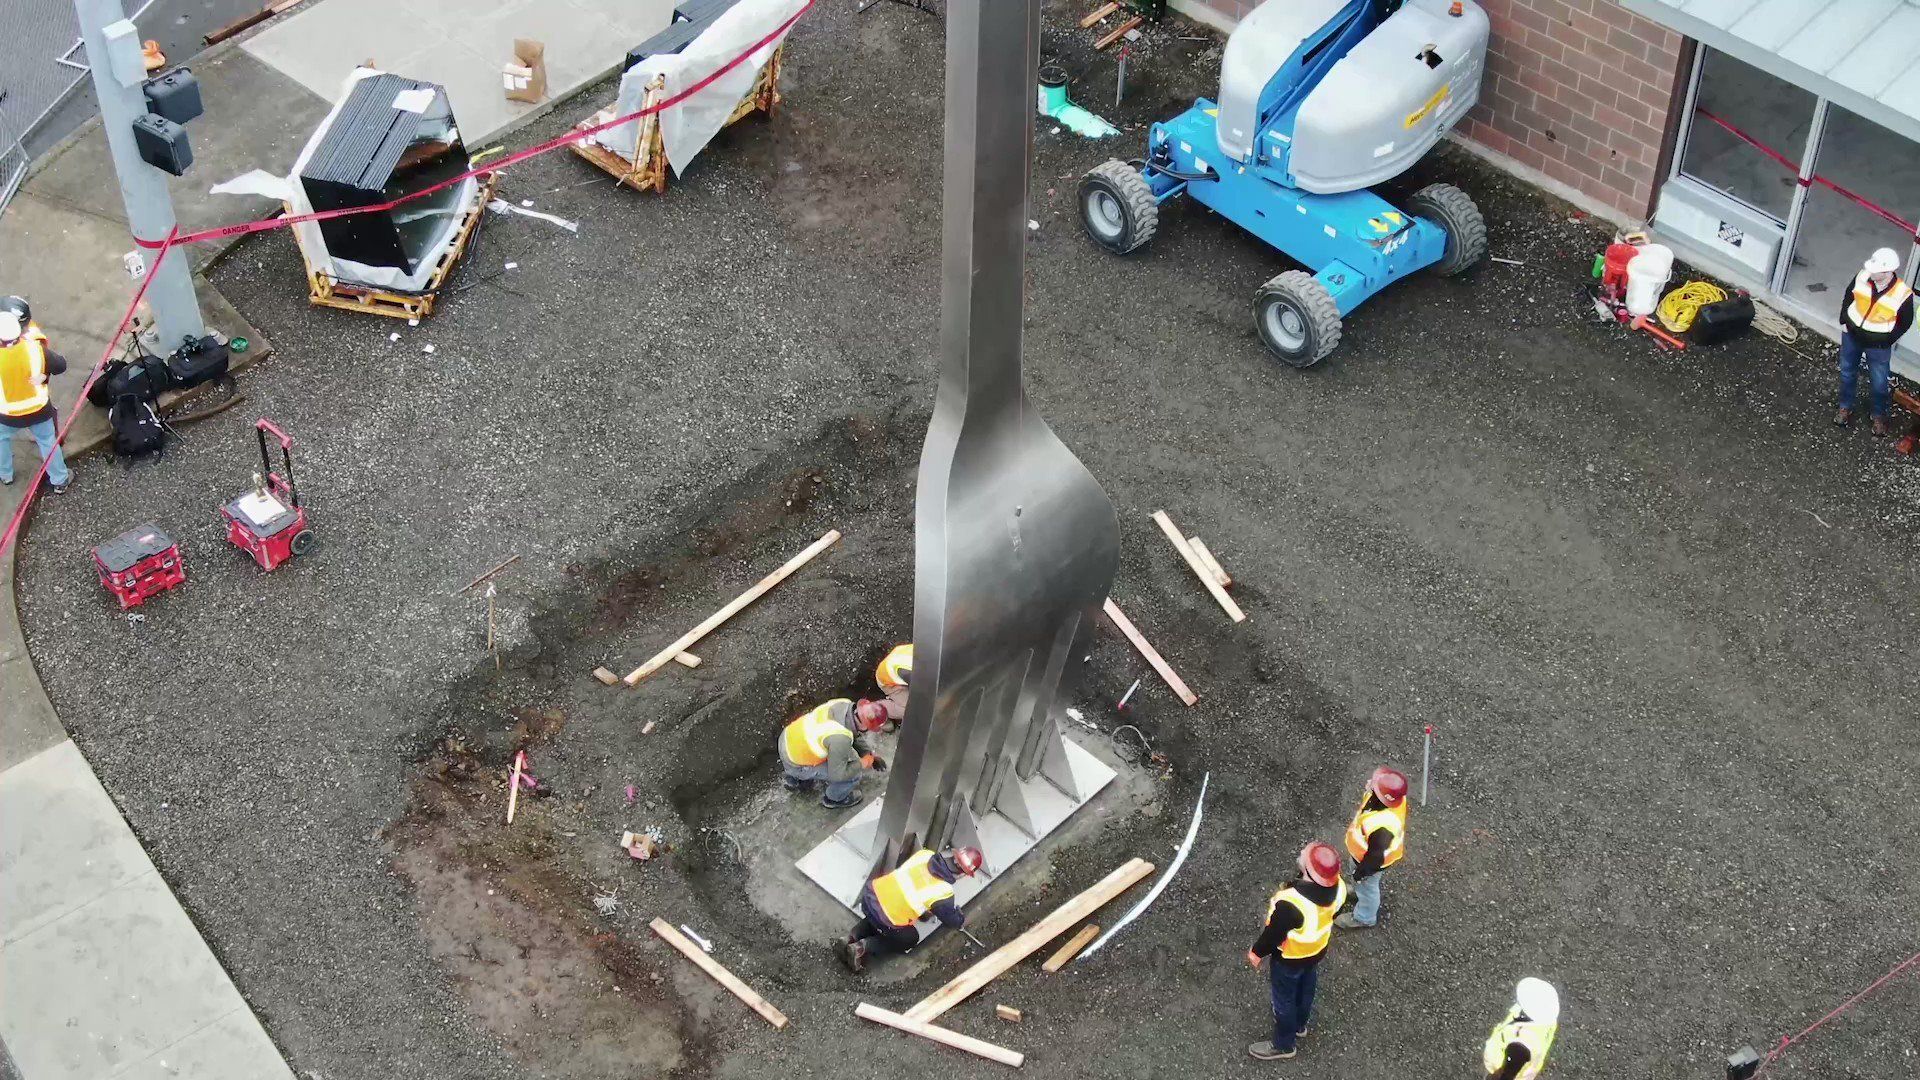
x,y
526,78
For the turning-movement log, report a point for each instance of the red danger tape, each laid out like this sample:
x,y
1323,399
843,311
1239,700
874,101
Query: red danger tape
x,y
507,162
1793,167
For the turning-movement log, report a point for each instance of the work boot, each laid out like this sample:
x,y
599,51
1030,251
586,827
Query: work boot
x,y
1266,1051
1348,922
851,800
854,955
796,785
1843,418
1881,429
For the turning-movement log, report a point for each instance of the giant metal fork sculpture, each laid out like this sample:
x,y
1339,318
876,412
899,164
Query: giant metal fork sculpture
x,y
1016,545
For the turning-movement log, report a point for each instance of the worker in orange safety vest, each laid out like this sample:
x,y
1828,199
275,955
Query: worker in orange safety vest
x,y
1376,838
892,905
893,675
1299,926
827,743
1874,314
27,368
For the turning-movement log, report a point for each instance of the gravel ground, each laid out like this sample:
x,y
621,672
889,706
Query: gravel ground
x,y
1654,606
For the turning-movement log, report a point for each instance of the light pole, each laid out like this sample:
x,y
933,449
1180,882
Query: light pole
x,y
119,80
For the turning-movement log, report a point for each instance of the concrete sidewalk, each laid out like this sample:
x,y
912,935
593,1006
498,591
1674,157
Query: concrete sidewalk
x,y
102,974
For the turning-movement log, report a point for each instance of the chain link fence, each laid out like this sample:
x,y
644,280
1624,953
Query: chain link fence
x,y
43,72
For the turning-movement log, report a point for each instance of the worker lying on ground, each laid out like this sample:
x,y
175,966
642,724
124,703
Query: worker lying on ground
x,y
1299,926
893,674
893,904
820,746
1376,838
1517,1049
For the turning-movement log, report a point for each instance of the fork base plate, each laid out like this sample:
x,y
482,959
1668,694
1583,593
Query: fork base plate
x,y
840,863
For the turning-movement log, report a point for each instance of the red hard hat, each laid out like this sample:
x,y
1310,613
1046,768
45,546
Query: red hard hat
x,y
870,716
969,860
1320,863
1388,783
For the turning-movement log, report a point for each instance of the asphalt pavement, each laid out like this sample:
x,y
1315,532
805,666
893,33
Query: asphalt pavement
x,y
1655,606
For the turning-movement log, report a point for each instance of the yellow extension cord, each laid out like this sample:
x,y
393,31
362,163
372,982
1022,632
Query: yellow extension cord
x,y
1678,308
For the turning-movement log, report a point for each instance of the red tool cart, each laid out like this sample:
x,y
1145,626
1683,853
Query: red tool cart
x,y
139,563
268,522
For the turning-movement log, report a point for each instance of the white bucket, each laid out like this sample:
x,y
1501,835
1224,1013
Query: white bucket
x,y
1647,276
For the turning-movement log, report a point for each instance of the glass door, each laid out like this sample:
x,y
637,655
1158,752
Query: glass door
x,y
1746,133
1862,196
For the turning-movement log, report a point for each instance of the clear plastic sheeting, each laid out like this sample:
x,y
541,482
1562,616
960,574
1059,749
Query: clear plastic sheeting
x,y
686,128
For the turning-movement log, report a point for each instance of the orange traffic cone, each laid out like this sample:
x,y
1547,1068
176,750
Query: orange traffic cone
x,y
150,52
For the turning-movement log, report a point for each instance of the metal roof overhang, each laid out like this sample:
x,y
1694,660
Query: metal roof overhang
x,y
1863,55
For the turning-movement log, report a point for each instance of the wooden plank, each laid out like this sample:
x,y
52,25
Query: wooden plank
x,y
686,660
606,676
1097,14
1057,922
1071,949
943,1036
1200,571
691,637
1908,401
239,26
1008,1013
720,975
1153,656
1118,33
1206,559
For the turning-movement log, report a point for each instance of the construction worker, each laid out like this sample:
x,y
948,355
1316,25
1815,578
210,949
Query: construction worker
x,y
893,904
26,400
892,675
1517,1049
820,745
1874,314
1299,926
1376,838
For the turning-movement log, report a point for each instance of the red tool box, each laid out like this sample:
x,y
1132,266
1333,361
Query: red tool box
x,y
268,522
139,563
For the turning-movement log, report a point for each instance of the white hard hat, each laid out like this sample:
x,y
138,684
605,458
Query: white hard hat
x,y
1883,261
1538,999
10,328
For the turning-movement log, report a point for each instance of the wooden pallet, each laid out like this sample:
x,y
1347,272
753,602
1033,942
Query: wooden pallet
x,y
324,291
648,168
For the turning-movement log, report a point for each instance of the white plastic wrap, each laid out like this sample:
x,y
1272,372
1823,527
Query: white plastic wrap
x,y
686,128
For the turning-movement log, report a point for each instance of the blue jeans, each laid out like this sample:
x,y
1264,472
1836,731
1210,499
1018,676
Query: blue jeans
x,y
46,435
1879,368
1292,999
837,791
1366,900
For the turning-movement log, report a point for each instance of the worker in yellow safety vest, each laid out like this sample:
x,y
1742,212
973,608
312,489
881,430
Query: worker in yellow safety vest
x,y
1376,838
1874,313
27,367
893,674
1517,1049
893,904
1299,926
827,743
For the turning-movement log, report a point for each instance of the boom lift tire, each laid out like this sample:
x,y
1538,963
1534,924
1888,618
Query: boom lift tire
x,y
1297,318
1451,209
1117,207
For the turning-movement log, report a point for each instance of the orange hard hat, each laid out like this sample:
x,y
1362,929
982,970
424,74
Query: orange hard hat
x,y
1388,783
1320,862
969,860
870,716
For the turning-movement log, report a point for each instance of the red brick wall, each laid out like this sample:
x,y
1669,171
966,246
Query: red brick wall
x,y
1580,90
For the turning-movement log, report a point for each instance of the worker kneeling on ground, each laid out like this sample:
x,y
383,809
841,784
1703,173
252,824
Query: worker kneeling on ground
x,y
892,904
1376,838
1299,926
821,746
893,674
1517,1049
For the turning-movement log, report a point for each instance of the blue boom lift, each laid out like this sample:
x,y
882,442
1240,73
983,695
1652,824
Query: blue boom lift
x,y
1319,99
